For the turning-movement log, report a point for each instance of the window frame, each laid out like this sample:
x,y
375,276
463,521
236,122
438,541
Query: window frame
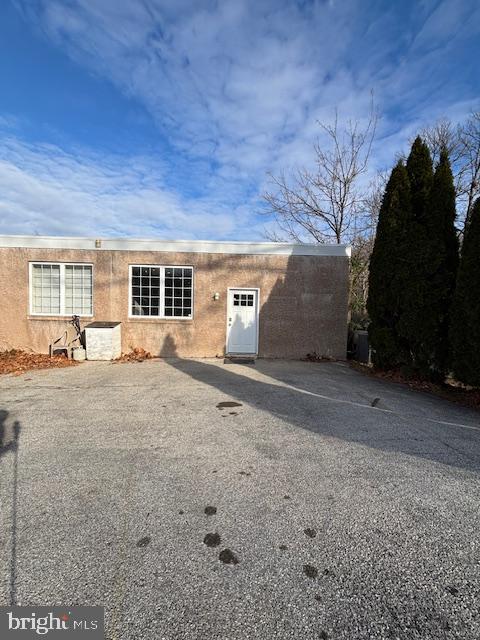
x,y
161,305
62,266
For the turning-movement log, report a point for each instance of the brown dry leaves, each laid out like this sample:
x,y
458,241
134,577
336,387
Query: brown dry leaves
x,y
451,390
17,362
135,355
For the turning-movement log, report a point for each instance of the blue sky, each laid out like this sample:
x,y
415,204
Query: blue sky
x,y
164,117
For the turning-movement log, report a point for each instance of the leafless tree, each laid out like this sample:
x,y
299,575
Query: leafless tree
x,y
442,135
362,245
326,204
469,136
373,200
463,145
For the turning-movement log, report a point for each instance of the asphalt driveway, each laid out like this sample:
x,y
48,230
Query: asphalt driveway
x,y
346,520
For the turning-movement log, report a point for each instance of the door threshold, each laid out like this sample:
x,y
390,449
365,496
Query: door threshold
x,y
240,358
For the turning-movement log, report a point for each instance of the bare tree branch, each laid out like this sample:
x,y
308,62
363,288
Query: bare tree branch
x,y
463,146
469,135
325,204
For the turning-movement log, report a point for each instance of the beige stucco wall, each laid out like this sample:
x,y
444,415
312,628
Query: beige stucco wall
x,y
303,301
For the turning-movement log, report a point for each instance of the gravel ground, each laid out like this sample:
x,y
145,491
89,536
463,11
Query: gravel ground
x,y
344,520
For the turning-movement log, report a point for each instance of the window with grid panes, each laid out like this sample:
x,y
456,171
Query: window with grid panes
x,y
161,292
243,299
61,289
78,289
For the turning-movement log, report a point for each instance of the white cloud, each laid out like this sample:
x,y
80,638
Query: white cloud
x,y
46,190
216,77
236,87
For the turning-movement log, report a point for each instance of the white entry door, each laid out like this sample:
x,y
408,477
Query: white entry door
x,y
242,321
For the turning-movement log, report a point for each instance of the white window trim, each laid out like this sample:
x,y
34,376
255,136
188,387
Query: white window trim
x,y
162,315
62,266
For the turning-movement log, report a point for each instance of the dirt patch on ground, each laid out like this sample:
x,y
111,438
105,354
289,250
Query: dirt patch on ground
x,y
17,362
135,355
451,390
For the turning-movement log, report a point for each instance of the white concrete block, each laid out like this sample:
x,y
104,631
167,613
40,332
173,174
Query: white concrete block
x,y
103,340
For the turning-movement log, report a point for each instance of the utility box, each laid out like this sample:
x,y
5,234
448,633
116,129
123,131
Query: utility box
x,y
361,346
103,340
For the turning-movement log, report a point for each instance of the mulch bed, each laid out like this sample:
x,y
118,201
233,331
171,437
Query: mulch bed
x,y
451,390
17,362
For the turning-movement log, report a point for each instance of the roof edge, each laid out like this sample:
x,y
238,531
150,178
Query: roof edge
x,y
181,246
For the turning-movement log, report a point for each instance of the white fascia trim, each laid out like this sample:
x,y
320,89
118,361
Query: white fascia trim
x,y
175,246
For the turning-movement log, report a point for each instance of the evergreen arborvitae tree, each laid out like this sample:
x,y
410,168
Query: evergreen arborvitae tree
x,y
465,314
413,325
420,174
387,270
441,272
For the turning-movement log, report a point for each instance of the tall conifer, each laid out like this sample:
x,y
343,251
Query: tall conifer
x,y
442,254
414,266
465,314
386,270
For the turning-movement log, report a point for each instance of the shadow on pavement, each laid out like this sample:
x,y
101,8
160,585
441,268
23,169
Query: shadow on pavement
x,y
338,415
9,443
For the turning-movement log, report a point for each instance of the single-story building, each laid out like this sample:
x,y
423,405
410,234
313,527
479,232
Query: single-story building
x,y
178,298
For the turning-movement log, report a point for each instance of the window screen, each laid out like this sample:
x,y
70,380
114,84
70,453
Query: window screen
x,y
46,288
161,291
61,289
78,289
